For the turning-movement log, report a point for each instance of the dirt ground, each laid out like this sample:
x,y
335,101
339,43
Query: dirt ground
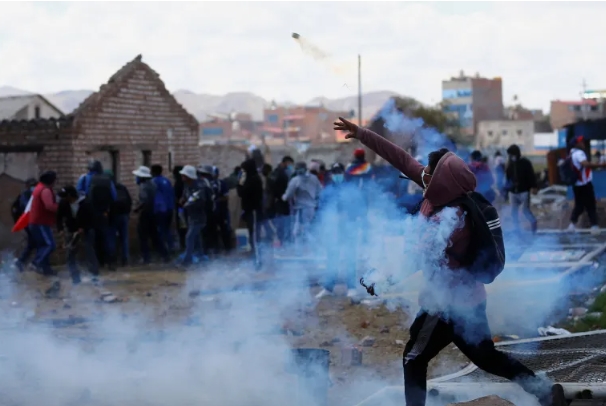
x,y
166,298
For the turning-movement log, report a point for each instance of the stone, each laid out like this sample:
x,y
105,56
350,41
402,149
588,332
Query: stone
x,y
577,311
110,299
385,330
351,356
400,343
364,324
485,401
367,341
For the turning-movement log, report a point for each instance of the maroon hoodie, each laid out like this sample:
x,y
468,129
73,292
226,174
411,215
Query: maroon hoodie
x,y
451,179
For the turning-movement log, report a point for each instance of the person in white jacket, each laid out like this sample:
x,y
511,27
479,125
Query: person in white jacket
x,y
303,192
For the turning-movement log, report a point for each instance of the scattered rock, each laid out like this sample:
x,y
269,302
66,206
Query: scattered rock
x,y
365,324
326,344
335,340
385,330
485,401
351,356
194,293
110,299
148,294
67,306
577,311
367,341
400,343
54,290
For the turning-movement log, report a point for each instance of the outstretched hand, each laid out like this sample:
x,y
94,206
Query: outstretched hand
x,y
343,125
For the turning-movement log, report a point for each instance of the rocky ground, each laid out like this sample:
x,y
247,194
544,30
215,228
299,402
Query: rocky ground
x,y
164,299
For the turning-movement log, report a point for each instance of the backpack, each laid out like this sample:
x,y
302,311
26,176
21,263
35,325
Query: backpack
x,y
100,193
567,171
123,203
485,257
18,206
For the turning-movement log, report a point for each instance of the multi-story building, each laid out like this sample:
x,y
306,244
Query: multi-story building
x,y
567,112
230,128
470,100
305,124
500,134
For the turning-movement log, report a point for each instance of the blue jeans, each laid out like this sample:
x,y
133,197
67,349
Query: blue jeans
x,y
120,225
30,246
193,242
45,244
163,222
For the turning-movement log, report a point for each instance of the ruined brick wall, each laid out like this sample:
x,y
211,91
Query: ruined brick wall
x,y
138,114
225,157
26,150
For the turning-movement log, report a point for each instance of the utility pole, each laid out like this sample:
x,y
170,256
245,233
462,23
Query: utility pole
x,y
584,105
359,90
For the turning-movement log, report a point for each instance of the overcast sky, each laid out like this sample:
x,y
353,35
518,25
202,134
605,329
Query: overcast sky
x,y
541,50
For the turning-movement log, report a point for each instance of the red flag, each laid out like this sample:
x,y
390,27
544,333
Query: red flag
x,y
23,221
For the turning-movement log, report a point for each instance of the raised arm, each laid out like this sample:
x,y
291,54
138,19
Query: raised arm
x,y
396,156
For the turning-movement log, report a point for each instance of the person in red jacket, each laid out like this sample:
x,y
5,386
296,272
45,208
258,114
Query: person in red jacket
x,y
43,214
453,303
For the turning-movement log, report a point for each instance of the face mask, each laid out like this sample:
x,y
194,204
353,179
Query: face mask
x,y
138,181
338,178
301,171
290,170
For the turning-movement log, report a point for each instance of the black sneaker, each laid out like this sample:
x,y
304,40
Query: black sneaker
x,y
556,398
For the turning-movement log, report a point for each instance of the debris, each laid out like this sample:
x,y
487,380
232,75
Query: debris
x,y
326,344
54,290
485,401
400,343
110,299
365,324
194,293
148,294
335,340
577,311
552,331
351,356
385,330
367,341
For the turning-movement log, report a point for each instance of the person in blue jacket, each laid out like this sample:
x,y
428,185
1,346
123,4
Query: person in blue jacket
x,y
164,204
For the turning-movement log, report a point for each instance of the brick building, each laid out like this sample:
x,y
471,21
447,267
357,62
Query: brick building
x,y
563,112
132,120
227,128
313,124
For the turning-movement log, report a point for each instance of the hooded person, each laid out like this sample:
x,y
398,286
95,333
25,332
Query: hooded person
x,y
278,182
484,177
119,217
453,302
304,192
43,214
521,182
17,209
210,233
250,190
221,213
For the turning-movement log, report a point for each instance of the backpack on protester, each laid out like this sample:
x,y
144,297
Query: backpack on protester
x,y
123,203
100,193
568,173
17,208
485,257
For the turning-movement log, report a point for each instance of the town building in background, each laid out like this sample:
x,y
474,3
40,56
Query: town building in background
x,y
470,100
300,124
590,107
233,128
27,107
500,134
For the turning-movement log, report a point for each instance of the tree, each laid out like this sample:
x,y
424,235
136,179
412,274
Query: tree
x,y
432,116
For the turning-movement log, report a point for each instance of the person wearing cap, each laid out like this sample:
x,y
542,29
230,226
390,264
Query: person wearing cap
x,y
75,224
521,181
146,227
584,194
42,218
195,201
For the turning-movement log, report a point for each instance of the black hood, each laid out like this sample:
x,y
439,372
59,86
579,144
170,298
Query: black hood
x,y
48,177
249,166
514,150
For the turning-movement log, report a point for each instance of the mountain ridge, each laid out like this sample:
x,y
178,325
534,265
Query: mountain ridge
x,y
202,104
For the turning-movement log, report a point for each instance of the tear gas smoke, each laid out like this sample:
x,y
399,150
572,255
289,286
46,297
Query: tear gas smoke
x,y
319,55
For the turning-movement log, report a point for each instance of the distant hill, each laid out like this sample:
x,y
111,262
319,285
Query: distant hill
x,y
200,105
